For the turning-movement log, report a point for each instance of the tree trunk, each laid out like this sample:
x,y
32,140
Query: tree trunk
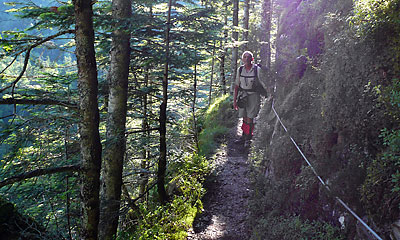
x,y
146,135
246,17
162,163
235,36
116,119
222,69
212,75
147,100
196,138
66,154
265,52
224,52
89,122
68,213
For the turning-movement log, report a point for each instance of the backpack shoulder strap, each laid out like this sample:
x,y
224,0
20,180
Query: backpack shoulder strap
x,y
240,74
255,71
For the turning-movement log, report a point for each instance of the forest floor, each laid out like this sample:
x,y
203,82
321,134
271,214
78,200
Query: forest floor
x,y
225,215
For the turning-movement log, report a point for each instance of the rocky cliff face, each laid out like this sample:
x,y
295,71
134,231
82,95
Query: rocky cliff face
x,y
327,79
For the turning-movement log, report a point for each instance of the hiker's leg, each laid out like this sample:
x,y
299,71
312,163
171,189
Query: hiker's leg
x,y
246,126
245,131
248,132
250,124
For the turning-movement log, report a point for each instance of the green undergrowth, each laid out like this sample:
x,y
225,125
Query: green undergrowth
x,y
172,220
380,20
272,216
293,227
383,174
215,122
369,174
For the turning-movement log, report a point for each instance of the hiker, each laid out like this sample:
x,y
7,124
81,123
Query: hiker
x,y
246,98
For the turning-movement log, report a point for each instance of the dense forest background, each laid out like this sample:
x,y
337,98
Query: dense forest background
x,y
110,109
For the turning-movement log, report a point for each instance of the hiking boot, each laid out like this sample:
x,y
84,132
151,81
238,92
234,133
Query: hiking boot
x,y
241,140
247,143
249,137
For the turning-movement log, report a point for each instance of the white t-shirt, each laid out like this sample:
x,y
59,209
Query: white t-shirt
x,y
247,78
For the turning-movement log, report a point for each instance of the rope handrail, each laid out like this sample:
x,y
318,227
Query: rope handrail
x,y
322,181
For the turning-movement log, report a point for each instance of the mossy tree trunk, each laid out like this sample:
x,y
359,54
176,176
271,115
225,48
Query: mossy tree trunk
x,y
89,123
116,119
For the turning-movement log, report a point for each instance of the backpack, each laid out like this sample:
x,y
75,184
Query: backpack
x,y
257,87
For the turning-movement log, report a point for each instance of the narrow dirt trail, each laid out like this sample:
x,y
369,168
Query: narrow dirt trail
x,y
226,201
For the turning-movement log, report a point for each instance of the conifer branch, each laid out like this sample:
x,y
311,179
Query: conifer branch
x,y
27,55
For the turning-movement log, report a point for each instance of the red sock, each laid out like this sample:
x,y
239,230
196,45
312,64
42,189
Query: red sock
x,y
246,128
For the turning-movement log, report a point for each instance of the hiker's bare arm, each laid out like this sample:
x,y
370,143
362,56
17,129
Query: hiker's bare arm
x,y
235,97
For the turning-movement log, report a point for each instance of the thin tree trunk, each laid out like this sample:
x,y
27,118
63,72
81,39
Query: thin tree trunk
x,y
68,213
222,70
196,139
68,209
212,75
246,18
162,163
89,122
235,36
145,127
146,135
265,39
116,119
224,52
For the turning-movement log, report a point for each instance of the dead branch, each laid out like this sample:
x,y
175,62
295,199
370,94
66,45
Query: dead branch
x,y
10,101
39,172
143,130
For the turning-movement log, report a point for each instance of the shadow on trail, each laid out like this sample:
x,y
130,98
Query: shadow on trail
x,y
226,201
